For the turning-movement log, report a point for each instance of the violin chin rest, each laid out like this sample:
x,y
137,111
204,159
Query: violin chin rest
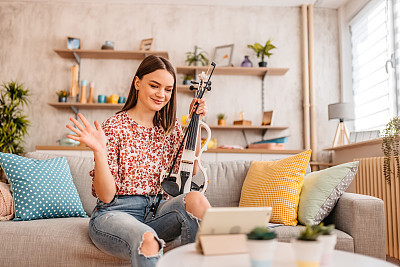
x,y
171,188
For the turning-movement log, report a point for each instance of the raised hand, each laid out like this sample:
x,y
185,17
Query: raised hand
x,y
201,110
92,137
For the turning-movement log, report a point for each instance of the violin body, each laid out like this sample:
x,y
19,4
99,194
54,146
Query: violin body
x,y
181,183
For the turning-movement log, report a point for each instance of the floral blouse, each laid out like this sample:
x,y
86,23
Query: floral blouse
x,y
138,154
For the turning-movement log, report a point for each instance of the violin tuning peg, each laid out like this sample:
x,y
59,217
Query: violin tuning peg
x,y
192,88
208,88
194,82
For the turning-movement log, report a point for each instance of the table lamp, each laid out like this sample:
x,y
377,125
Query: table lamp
x,y
341,111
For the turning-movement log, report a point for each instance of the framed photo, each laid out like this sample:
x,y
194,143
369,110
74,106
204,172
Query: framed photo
x,y
267,117
223,55
73,43
145,44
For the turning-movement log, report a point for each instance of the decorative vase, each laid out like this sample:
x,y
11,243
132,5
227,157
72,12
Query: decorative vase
x,y
62,99
328,243
261,252
308,253
246,62
262,64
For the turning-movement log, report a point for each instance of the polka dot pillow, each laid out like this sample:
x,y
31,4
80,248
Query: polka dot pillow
x,y
41,188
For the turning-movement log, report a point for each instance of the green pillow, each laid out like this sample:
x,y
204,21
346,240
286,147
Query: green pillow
x,y
322,189
41,188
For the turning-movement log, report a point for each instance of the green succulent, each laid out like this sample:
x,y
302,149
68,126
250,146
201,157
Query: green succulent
x,y
261,233
221,116
62,93
261,50
310,233
324,230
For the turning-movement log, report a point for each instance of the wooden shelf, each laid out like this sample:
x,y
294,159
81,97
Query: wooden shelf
x,y
87,106
240,127
109,54
234,70
254,151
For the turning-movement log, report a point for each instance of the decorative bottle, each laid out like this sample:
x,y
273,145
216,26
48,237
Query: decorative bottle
x,y
246,62
91,92
83,92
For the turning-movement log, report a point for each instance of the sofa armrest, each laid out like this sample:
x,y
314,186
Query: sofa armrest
x,y
362,217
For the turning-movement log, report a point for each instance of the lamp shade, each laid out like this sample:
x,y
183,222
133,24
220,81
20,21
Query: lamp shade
x,y
342,111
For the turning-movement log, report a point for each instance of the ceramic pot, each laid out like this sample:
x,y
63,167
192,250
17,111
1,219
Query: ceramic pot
x,y
262,64
328,243
261,252
221,121
62,99
308,253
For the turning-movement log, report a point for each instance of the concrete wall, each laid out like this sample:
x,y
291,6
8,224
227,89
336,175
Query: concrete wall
x,y
31,30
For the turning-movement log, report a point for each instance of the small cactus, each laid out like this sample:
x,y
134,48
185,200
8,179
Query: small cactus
x,y
310,233
261,233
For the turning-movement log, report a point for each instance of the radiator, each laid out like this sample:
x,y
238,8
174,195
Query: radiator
x,y
370,180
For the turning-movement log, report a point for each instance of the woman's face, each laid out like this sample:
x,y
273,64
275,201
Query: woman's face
x,y
155,89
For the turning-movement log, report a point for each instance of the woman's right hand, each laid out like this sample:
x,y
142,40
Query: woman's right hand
x,y
92,137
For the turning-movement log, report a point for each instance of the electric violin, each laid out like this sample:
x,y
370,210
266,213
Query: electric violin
x,y
182,183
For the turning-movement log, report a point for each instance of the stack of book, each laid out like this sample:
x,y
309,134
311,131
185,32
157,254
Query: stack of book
x,y
276,143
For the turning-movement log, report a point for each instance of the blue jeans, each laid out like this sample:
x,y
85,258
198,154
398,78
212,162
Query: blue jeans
x,y
118,227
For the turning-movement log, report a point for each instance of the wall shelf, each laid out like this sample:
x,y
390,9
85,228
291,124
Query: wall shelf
x,y
108,54
86,106
255,71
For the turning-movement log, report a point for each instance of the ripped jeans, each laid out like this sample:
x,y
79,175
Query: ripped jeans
x,y
118,227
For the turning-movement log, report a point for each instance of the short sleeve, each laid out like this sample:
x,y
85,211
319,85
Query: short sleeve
x,y
113,149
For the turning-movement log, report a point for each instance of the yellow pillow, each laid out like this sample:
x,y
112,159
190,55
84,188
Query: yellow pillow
x,y
276,184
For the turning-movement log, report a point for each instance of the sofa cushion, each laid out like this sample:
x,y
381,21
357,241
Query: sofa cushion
x,y
80,168
41,188
322,189
276,184
52,242
226,180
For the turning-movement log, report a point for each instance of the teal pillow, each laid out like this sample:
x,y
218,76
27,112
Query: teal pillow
x,y
322,189
41,188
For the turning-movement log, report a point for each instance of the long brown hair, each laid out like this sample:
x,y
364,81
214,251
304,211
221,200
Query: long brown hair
x,y
166,117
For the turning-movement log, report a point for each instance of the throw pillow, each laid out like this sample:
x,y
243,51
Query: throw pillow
x,y
41,188
6,202
276,184
322,189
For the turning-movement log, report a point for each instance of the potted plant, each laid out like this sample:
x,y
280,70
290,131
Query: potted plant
x,y
221,119
390,147
328,240
13,123
262,51
187,79
261,243
307,247
198,57
62,95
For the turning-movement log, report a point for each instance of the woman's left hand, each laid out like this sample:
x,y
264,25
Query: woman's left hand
x,y
201,110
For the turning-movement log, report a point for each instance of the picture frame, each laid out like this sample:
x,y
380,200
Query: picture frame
x,y
223,55
146,44
267,117
73,43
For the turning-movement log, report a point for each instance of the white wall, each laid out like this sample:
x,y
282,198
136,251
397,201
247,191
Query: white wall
x,y
31,30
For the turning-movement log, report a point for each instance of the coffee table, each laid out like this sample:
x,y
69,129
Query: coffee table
x,y
284,257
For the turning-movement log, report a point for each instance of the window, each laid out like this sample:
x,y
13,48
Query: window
x,y
373,75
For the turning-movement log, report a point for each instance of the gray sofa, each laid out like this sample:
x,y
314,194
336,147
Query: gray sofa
x,y
359,221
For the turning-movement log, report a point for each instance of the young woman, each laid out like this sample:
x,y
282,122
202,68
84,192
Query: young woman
x,y
130,150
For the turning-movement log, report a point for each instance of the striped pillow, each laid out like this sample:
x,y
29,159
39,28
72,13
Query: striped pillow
x,y
276,184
